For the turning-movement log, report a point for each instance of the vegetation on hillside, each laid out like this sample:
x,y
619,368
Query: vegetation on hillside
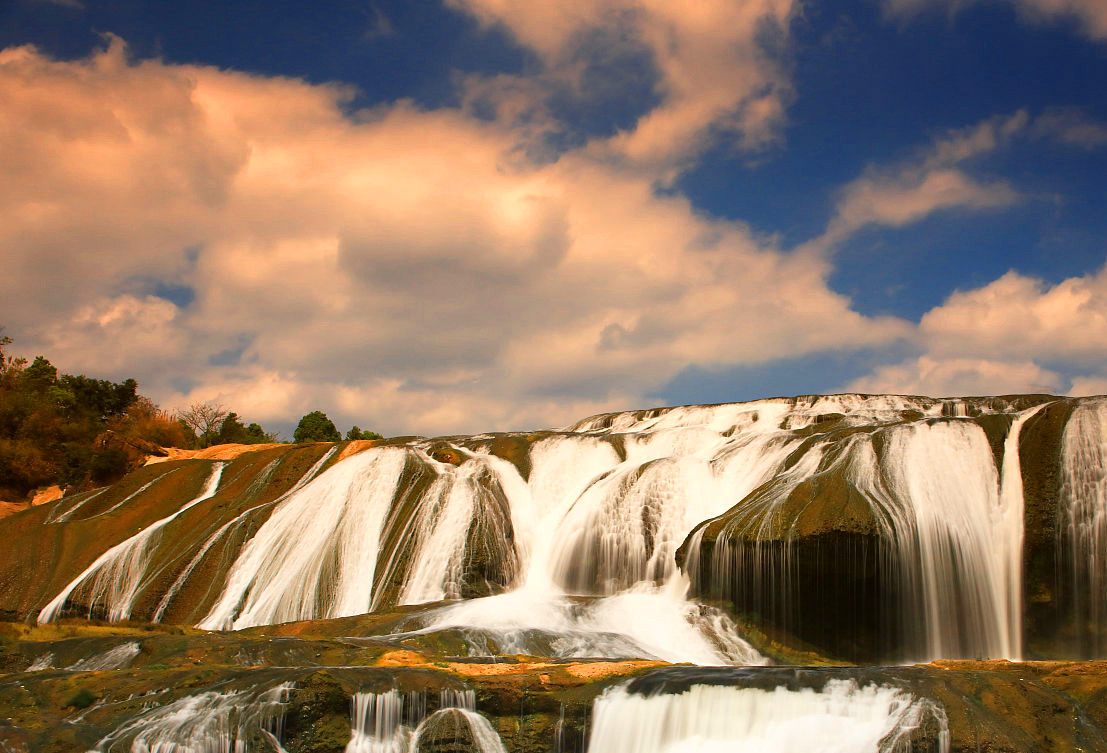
x,y
71,429
79,432
211,423
316,427
358,433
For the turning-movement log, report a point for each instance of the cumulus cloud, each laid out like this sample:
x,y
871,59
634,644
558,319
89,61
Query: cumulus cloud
x,y
1090,16
401,268
720,67
999,338
1084,386
1019,316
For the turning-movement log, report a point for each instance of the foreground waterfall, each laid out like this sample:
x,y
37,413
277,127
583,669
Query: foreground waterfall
x,y
555,579
397,526
840,718
398,723
232,722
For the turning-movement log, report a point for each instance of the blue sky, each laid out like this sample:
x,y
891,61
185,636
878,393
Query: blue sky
x,y
433,217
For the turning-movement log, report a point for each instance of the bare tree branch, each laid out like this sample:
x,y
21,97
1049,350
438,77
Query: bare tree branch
x,y
203,418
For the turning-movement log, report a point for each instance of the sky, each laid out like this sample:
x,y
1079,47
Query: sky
x,y
453,216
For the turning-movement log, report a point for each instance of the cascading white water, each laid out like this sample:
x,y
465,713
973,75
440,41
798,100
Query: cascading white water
x,y
382,722
119,657
117,576
337,523
1082,520
316,554
458,498
56,517
231,722
603,514
1010,531
484,736
182,578
952,523
395,722
44,661
968,526
138,492
840,718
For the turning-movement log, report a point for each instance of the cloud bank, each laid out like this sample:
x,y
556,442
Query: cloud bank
x,y
401,267
251,239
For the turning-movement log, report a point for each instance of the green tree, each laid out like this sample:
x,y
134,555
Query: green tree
x,y
232,431
356,433
316,427
40,374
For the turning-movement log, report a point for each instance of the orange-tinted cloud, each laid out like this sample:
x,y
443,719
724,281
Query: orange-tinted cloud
x,y
720,67
404,268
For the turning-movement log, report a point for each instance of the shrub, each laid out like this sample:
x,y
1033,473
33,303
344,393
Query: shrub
x,y
82,699
316,427
108,465
357,433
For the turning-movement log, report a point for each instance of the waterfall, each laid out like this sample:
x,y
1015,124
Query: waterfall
x,y
1082,521
395,722
340,522
119,657
949,537
117,576
316,554
1011,530
87,497
382,722
230,722
43,661
941,483
969,524
840,718
473,494
126,499
480,730
179,582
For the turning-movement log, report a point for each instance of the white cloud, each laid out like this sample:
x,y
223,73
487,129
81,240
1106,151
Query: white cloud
x,y
1022,317
931,181
1088,385
404,269
1070,126
957,377
997,338
719,66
